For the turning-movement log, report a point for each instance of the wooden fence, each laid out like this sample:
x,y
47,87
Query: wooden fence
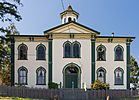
x,y
66,94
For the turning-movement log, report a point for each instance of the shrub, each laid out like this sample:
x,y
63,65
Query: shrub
x,y
52,85
98,85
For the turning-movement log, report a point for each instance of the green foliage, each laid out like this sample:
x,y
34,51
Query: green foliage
x,y
98,85
5,61
134,70
52,85
8,11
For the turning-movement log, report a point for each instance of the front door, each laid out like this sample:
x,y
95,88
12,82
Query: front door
x,y
71,77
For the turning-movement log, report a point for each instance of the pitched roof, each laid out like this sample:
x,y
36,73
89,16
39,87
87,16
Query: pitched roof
x,y
47,31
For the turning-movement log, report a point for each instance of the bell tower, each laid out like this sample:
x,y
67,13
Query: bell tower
x,y
69,15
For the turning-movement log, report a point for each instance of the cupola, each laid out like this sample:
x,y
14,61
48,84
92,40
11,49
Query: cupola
x,y
69,15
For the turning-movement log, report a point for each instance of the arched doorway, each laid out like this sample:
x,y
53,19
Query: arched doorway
x,y
72,76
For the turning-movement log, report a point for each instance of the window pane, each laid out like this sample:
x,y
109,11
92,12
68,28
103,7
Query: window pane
x,y
22,52
101,75
41,53
101,53
67,51
118,76
76,50
40,76
22,74
118,53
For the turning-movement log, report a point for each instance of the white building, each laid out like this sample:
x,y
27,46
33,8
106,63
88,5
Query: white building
x,y
71,54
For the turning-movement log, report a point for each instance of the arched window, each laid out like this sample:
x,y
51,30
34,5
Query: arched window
x,y
74,20
76,50
118,73
69,19
22,52
101,53
40,52
22,76
67,49
101,74
64,20
41,76
118,53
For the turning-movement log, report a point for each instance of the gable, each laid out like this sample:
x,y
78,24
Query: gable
x,y
71,27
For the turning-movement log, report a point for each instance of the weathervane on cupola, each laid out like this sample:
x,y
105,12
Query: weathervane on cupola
x,y
69,15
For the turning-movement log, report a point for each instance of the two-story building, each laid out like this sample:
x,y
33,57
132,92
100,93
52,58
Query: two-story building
x,y
71,54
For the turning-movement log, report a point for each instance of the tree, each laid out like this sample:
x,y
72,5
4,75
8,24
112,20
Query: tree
x,y
8,10
134,70
8,13
98,85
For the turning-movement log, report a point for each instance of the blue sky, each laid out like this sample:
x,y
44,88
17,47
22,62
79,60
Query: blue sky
x,y
105,16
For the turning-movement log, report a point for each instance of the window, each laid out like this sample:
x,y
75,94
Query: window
x,y
22,52
41,76
118,73
101,53
41,52
67,49
69,19
76,50
22,76
64,20
118,53
101,74
72,50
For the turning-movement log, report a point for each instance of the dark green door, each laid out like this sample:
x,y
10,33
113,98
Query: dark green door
x,y
71,77
71,81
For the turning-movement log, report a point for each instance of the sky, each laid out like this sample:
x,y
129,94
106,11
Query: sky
x,y
105,16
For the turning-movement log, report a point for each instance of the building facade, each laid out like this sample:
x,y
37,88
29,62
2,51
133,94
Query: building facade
x,y
72,55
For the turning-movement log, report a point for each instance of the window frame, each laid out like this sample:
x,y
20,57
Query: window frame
x,y
104,52
37,58
26,75
71,49
101,68
64,53
115,59
19,51
76,42
37,76
122,71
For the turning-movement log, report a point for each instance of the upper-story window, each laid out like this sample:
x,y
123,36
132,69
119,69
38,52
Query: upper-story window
x,y
118,73
67,49
41,76
101,53
118,53
22,76
22,52
69,19
71,50
76,49
101,74
40,50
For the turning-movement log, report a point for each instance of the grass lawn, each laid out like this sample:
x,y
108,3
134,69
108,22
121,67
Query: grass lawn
x,y
15,98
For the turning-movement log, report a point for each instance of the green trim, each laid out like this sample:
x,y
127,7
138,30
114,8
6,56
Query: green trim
x,y
12,61
93,60
79,73
50,60
128,64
